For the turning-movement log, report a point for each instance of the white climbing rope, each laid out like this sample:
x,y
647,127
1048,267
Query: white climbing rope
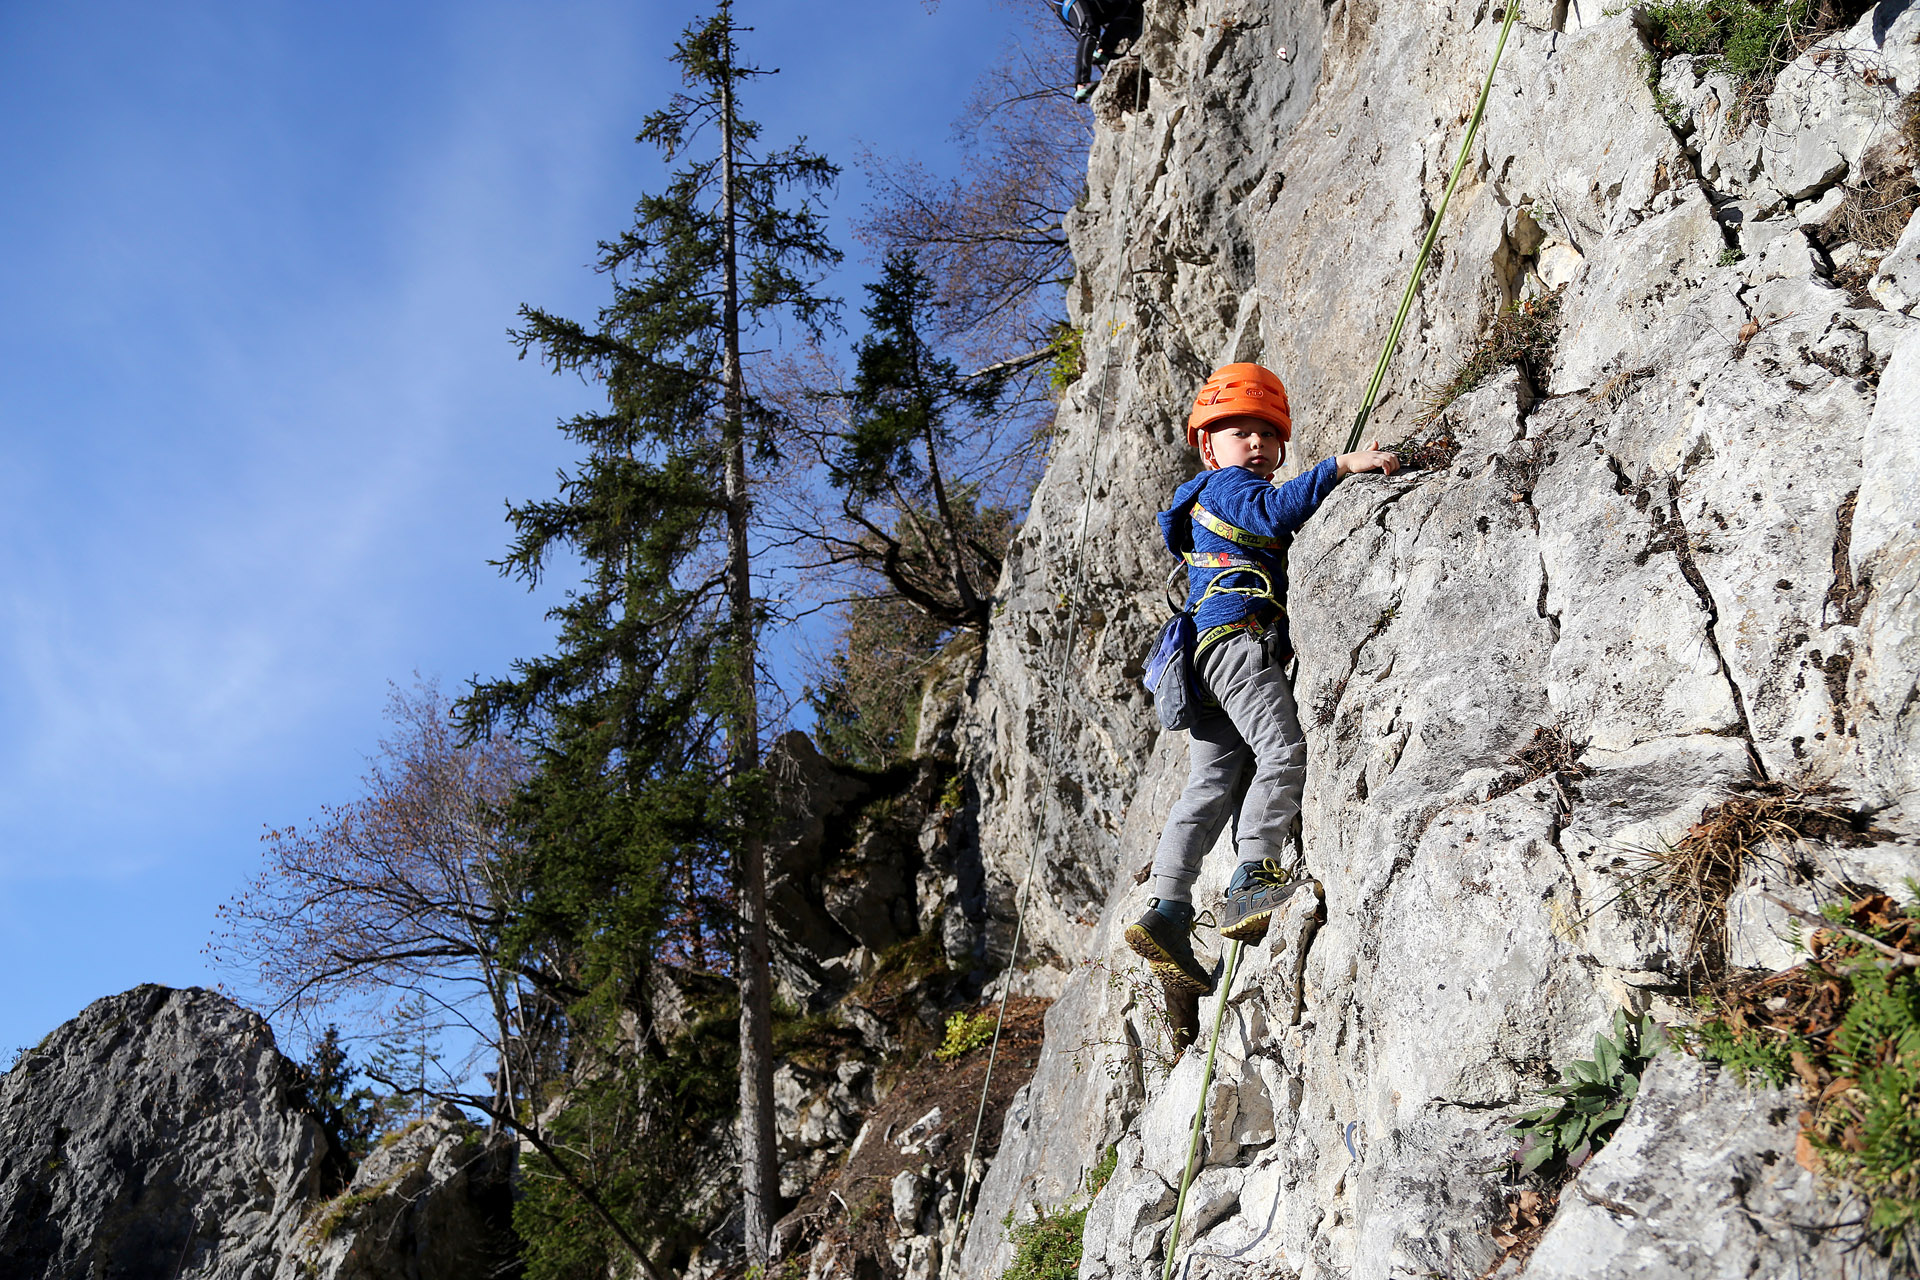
x,y
1122,228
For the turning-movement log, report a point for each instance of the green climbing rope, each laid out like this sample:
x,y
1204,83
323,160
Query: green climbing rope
x,y
1200,1112
1433,231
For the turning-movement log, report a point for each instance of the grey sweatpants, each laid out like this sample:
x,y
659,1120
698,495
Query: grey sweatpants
x,y
1256,723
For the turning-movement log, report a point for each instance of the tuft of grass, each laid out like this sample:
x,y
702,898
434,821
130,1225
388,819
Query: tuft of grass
x,y
1846,1026
1697,874
1523,334
343,1209
1048,1248
1593,1094
1432,453
1875,211
1552,752
965,1033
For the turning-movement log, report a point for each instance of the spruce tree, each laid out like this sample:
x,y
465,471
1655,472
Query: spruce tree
x,y
900,413
643,811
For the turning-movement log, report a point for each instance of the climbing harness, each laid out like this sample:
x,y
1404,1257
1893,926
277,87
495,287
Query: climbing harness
x,y
1179,698
1433,232
1122,228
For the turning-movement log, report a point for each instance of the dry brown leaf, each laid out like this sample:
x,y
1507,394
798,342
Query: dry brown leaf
x,y
1804,1154
1837,1088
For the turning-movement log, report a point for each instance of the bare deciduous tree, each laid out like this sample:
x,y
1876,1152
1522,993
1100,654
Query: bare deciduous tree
x,y
993,238
401,895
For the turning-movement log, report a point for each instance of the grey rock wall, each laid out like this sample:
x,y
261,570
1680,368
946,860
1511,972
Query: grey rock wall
x,y
161,1136
1690,545
153,1135
433,1202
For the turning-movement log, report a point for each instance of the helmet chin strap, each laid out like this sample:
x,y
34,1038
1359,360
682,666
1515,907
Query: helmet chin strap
x,y
1206,452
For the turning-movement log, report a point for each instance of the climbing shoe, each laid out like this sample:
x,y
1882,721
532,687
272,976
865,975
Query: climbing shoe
x,y
1163,937
1081,92
1101,56
1253,895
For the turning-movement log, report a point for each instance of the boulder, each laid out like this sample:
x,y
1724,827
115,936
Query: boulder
x,y
159,1133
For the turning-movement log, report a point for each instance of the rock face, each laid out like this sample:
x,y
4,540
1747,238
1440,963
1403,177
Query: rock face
x,y
431,1203
154,1135
161,1134
1698,1148
1684,550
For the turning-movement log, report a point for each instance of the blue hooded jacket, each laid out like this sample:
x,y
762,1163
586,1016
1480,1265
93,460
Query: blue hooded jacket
x,y
1242,499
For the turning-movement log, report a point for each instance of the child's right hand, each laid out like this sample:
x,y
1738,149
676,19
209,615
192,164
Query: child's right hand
x,y
1371,458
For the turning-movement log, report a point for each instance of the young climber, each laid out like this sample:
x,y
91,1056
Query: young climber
x,y
1231,524
1100,26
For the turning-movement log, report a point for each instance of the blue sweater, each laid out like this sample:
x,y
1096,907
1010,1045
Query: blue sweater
x,y
1243,499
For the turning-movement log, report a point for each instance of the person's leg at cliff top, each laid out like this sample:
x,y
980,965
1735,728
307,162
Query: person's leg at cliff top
x,y
1083,19
1233,522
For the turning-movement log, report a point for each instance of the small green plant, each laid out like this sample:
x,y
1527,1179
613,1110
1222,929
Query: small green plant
x,y
1730,255
1102,1173
1846,1026
1593,1094
965,1033
1048,1248
865,1205
1664,103
1069,360
954,794
1750,40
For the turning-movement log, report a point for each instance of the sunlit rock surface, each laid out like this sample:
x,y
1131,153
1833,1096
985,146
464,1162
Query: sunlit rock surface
x,y
1688,545
160,1134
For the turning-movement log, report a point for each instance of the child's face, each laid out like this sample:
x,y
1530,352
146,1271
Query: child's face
x,y
1246,442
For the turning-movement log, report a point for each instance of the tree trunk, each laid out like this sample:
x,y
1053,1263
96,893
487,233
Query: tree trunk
x,y
759,1175
962,581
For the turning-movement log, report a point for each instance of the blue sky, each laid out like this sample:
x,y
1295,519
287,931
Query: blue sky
x,y
258,413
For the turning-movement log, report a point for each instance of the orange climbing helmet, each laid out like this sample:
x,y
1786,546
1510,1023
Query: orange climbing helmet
x,y
1240,390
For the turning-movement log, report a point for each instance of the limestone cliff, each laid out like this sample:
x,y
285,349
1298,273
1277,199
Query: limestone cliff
x,y
1687,550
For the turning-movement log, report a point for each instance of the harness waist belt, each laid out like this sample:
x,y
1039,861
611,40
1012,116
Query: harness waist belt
x,y
1233,532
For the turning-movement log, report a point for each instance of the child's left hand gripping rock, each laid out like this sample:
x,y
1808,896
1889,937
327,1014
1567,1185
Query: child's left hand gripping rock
x,y
1371,458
